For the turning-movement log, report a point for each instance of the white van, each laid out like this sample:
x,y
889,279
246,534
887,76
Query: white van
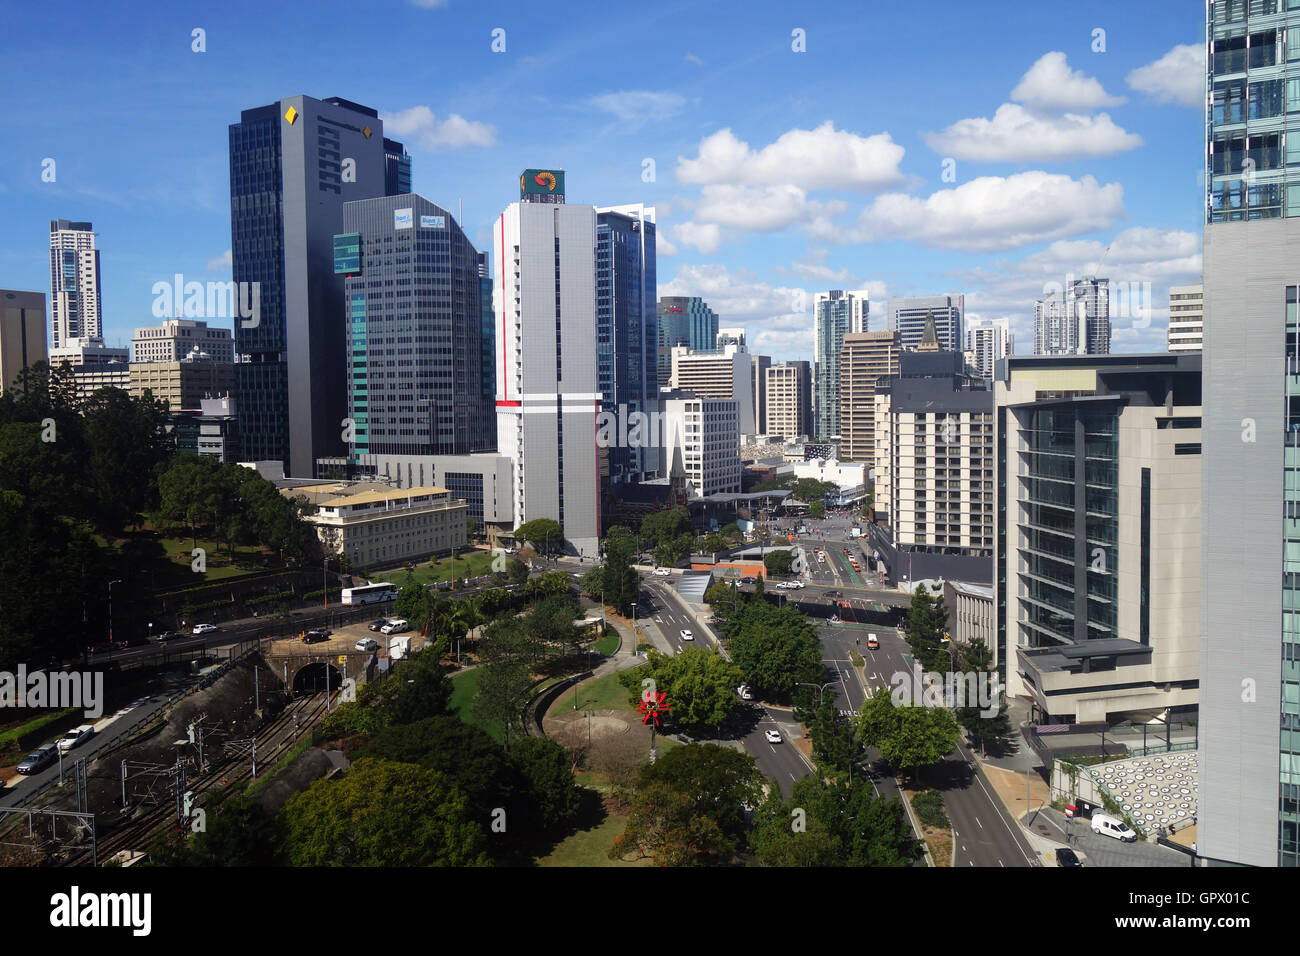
x,y
1111,827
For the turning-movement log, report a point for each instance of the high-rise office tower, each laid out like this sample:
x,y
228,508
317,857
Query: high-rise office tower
x,y
75,309
722,373
908,316
627,338
788,400
293,164
487,375
1249,801
415,330
703,435
1098,518
1074,321
867,358
683,320
22,333
1186,318
836,314
990,340
547,393
177,338
759,364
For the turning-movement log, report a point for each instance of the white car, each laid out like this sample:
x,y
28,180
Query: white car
x,y
794,585
687,635
367,644
75,736
1112,827
662,572
396,626
772,736
204,628
745,692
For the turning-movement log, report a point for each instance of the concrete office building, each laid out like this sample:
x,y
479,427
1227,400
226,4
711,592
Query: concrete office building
x,y
705,431
1098,573
1074,320
726,373
78,352
487,334
293,164
788,404
375,525
415,330
867,358
75,306
934,457
627,338
908,317
1186,318
22,333
183,384
970,615
683,320
989,340
760,364
835,314
547,392
92,376
727,337
175,339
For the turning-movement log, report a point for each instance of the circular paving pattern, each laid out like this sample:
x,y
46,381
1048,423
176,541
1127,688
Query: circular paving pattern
x,y
1159,789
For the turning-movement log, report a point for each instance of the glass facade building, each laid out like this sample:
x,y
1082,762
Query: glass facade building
x,y
683,320
836,314
416,349
626,328
293,164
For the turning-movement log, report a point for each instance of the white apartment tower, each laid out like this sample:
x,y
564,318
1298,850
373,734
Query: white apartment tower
x,y
74,284
989,340
707,432
547,395
1186,317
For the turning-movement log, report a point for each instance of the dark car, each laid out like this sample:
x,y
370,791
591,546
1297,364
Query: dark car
x,y
170,636
39,759
1067,857
315,636
749,580
833,594
377,623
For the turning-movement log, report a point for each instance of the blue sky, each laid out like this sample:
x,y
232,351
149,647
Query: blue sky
x,y
775,171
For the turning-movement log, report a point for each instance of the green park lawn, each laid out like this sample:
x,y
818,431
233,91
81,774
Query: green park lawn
x,y
590,847
464,689
471,564
608,644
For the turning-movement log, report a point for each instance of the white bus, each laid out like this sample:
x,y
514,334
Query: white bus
x,y
371,593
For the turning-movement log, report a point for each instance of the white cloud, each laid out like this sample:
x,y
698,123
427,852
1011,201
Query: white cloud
x,y
662,246
705,238
1177,77
692,58
454,132
1050,84
988,214
1017,135
820,158
430,4
637,107
220,263
762,208
736,296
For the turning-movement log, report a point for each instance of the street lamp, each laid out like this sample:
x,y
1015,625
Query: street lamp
x,y
110,607
634,631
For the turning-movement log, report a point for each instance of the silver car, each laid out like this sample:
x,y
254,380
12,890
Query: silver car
x,y
39,759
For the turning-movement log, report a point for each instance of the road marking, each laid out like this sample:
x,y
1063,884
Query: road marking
x,y
977,820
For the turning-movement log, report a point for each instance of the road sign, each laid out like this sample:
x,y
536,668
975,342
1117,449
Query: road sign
x,y
343,658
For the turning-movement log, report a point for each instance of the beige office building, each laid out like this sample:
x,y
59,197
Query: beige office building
x,y
184,384
176,339
865,358
22,333
1186,317
727,373
789,400
374,524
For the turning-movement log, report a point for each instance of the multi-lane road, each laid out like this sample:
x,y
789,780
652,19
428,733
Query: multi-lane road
x,y
984,834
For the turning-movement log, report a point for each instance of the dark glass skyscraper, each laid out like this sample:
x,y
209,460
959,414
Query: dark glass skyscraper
x,y
292,166
683,320
416,349
626,332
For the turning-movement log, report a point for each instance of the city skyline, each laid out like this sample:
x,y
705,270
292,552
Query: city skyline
x,y
751,213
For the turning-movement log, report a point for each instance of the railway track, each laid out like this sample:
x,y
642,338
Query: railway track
x,y
152,821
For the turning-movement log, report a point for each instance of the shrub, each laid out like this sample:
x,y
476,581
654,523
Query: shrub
x,y
929,809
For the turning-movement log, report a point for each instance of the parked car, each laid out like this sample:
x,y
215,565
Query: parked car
x,y
1112,827
205,628
772,736
833,594
39,759
315,636
662,572
378,623
1067,857
367,644
170,636
395,626
75,736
